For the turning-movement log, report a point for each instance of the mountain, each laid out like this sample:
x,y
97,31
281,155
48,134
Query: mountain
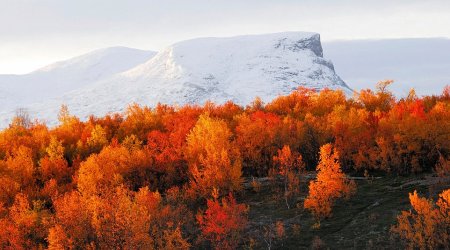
x,y
65,76
57,79
236,68
194,71
419,63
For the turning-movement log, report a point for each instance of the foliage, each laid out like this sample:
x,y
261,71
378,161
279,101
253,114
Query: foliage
x,y
330,184
136,180
289,166
427,225
213,160
223,222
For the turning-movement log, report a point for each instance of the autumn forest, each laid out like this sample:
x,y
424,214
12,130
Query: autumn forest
x,y
277,175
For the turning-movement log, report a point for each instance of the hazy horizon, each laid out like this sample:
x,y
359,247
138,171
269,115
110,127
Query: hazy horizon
x,y
36,33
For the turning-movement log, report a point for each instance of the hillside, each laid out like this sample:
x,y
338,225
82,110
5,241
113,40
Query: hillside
x,y
362,222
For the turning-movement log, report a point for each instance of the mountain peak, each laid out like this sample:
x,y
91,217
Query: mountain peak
x,y
237,68
194,71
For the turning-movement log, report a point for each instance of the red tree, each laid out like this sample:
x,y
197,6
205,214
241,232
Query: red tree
x,y
222,224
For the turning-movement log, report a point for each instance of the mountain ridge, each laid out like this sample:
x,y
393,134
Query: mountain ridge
x,y
194,71
64,76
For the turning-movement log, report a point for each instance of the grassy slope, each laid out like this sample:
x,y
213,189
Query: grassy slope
x,y
363,222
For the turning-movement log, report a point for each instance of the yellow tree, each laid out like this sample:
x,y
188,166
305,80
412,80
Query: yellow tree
x,y
98,138
54,165
103,172
214,161
427,226
330,184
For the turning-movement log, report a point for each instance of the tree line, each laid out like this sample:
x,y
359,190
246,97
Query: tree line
x,y
166,177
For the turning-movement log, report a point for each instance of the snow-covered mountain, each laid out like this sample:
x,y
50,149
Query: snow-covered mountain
x,y
57,79
194,71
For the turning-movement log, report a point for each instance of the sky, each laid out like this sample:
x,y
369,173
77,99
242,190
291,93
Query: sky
x,y
34,33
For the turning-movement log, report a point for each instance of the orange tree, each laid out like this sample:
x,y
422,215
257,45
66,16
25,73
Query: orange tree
x,y
330,184
427,225
289,166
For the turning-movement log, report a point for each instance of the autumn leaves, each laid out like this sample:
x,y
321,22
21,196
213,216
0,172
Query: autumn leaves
x,y
330,184
427,225
214,161
216,165
170,177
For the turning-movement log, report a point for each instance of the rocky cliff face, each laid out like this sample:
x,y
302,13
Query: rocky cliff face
x,y
217,69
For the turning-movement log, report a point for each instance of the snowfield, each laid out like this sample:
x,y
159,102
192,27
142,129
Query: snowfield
x,y
194,71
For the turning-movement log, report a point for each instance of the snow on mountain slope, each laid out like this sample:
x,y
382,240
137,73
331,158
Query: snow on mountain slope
x,y
218,69
18,91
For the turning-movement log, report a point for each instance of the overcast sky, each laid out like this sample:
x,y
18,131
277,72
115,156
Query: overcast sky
x,y
34,33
